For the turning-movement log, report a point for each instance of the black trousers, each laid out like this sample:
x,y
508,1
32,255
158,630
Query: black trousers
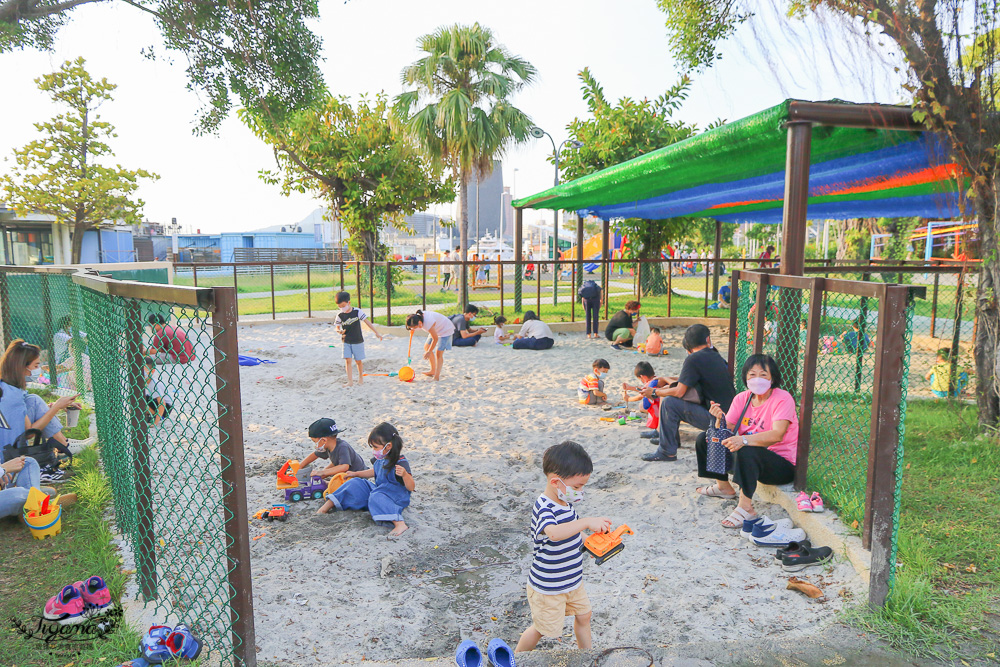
x,y
592,307
750,466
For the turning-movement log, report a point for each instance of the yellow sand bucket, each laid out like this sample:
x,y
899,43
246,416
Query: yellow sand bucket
x,y
43,519
336,482
406,373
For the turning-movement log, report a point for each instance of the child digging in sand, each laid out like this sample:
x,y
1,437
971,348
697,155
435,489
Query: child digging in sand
x,y
647,378
500,335
591,389
389,494
349,321
440,330
339,454
555,580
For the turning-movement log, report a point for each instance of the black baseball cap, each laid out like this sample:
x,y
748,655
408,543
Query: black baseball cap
x,y
323,427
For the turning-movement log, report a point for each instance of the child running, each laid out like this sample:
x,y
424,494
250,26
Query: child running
x,y
349,321
555,580
440,330
389,494
500,335
339,454
591,389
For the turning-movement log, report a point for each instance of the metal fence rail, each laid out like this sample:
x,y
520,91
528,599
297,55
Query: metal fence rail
x,y
844,352
169,434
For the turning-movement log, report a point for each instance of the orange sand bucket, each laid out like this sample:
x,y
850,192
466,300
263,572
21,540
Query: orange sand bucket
x,y
336,482
406,373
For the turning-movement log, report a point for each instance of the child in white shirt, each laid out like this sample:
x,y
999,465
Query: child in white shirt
x,y
500,335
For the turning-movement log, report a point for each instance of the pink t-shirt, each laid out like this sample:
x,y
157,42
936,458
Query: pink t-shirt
x,y
779,406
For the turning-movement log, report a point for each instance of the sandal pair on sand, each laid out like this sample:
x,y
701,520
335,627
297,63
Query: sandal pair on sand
x,y
499,653
738,515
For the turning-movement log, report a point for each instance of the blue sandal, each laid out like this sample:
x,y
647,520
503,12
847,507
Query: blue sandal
x,y
468,654
500,654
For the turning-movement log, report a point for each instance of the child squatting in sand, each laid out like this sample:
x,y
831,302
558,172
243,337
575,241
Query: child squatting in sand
x,y
555,580
389,494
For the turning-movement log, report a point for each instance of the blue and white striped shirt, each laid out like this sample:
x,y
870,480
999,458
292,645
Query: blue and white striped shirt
x,y
556,567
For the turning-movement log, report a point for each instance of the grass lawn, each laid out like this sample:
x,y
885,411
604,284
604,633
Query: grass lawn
x,y
947,591
34,570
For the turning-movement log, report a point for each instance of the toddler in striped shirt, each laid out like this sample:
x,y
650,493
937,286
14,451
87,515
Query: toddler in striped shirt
x,y
555,581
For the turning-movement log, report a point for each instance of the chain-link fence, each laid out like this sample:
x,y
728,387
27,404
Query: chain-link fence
x,y
162,375
843,348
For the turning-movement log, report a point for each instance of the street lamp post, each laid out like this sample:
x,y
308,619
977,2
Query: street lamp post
x,y
538,133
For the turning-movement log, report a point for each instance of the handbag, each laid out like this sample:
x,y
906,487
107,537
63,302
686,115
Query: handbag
x,y
30,444
718,459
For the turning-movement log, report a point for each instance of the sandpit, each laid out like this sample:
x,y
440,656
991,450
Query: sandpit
x,y
333,589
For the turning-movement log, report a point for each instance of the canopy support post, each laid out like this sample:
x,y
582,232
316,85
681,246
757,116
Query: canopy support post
x,y
793,246
605,264
518,251
717,265
579,252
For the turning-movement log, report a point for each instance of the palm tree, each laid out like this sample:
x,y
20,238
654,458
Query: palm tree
x,y
464,82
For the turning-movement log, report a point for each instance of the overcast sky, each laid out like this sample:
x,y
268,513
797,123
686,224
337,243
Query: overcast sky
x,y
210,183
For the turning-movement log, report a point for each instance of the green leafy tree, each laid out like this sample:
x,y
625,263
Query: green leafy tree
x,y
261,51
616,133
65,173
459,109
371,173
954,93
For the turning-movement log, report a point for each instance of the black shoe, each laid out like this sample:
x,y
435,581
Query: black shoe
x,y
649,435
657,456
800,560
792,547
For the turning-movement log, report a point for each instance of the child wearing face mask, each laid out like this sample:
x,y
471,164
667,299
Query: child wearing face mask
x,y
555,580
349,321
383,490
337,452
591,389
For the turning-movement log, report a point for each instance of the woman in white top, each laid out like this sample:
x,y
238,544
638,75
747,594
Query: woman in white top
x,y
440,330
534,334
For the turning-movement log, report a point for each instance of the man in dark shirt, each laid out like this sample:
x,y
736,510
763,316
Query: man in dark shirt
x,y
704,371
621,329
465,336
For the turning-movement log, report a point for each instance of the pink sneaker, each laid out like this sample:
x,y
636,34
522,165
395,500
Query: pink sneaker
x,y
96,597
803,503
66,608
817,502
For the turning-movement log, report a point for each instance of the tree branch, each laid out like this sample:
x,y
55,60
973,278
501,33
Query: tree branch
x,y
14,11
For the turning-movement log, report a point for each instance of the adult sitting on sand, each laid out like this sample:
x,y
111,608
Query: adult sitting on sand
x,y
534,334
621,328
464,336
707,374
766,439
440,330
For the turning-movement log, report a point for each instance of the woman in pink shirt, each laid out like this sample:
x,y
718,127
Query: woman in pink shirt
x,y
766,439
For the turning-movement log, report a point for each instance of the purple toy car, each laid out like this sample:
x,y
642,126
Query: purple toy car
x,y
314,489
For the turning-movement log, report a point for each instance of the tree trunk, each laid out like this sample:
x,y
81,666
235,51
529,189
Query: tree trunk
x,y
79,227
985,345
463,236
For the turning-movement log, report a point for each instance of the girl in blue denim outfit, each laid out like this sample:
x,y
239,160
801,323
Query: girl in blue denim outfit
x,y
385,489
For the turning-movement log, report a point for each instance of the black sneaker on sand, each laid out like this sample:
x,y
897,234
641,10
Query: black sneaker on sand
x,y
657,456
800,560
648,435
792,546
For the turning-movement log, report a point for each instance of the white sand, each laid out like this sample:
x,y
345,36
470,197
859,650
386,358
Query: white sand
x,y
333,589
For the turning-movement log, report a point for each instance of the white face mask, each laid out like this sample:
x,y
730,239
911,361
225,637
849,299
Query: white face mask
x,y
569,495
345,309
35,374
758,386
598,374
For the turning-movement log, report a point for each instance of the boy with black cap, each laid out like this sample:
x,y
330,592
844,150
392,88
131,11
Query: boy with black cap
x,y
340,454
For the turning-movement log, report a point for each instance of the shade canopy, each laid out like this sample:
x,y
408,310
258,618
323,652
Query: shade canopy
x,y
736,173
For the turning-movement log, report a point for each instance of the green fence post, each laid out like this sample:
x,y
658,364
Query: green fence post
x,y
145,547
49,329
518,253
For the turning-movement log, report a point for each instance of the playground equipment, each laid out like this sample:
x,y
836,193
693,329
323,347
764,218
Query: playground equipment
x,y
43,517
287,475
602,546
936,235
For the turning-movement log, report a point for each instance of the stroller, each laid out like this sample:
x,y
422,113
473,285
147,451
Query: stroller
x,y
529,272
